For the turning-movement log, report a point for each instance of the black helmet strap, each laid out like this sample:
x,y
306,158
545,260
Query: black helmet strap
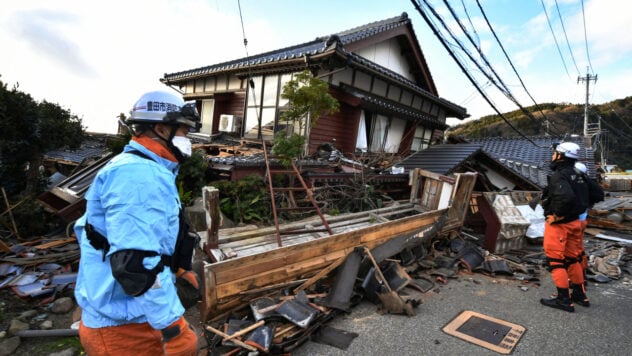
x,y
175,150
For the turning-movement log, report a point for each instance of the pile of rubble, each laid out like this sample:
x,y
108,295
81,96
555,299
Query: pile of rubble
x,y
279,318
287,316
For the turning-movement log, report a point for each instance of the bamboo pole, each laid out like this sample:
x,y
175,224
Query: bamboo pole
x,y
6,201
224,335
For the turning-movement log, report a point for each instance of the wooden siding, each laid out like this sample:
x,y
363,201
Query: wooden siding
x,y
342,126
230,104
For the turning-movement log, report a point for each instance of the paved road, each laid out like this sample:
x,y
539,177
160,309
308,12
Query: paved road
x,y
601,329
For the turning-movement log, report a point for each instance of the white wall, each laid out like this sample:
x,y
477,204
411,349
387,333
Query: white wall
x,y
387,54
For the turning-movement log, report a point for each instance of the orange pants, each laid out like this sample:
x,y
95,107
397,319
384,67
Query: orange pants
x,y
123,340
563,242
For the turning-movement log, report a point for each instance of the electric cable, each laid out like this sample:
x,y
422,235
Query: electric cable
x,y
555,38
504,89
623,121
478,39
251,82
559,14
586,38
616,130
509,59
467,74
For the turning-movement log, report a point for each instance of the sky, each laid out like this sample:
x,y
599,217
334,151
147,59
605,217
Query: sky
x,y
96,58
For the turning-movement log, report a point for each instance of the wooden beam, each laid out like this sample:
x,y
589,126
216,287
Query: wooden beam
x,y
323,272
211,205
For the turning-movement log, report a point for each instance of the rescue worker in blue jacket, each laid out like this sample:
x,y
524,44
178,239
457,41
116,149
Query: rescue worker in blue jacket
x,y
566,199
126,280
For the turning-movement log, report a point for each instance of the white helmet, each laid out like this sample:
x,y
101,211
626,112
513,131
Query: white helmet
x,y
581,167
164,107
568,149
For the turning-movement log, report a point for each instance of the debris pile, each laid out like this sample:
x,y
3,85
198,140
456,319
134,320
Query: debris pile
x,y
394,276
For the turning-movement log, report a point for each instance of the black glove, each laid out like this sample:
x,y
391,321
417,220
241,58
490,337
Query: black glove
x,y
188,286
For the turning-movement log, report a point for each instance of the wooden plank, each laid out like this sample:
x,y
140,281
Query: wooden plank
x,y
229,270
322,273
268,242
282,265
55,243
211,206
292,254
235,234
208,305
399,226
413,182
4,247
276,275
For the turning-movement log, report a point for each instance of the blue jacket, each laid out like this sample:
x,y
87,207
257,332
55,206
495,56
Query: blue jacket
x,y
134,202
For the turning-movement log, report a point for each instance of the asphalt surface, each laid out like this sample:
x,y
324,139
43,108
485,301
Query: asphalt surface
x,y
601,329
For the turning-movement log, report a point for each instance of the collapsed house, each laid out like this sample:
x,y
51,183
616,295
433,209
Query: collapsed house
x,y
247,279
388,102
310,273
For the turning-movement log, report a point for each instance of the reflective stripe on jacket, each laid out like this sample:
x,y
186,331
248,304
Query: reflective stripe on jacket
x,y
133,201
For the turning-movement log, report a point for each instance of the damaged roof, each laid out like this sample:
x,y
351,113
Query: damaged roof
x,y
89,149
447,159
342,45
530,156
441,159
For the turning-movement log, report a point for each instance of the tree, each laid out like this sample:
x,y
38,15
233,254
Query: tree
x,y
29,129
309,99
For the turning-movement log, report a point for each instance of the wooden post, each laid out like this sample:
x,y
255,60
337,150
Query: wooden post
x,y
6,201
211,206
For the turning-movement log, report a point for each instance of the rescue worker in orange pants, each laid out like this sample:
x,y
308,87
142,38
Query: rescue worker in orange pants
x,y
135,243
566,199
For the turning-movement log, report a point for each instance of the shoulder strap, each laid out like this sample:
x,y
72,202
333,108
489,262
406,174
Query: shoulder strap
x,y
139,154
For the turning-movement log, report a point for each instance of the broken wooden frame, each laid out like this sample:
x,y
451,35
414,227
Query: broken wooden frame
x,y
260,263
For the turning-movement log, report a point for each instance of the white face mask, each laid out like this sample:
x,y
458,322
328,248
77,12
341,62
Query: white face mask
x,y
183,144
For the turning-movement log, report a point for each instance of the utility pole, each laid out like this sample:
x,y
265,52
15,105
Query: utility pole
x,y
587,79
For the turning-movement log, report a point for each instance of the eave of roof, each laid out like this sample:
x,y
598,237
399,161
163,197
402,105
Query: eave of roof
x,y
441,159
394,107
317,46
456,110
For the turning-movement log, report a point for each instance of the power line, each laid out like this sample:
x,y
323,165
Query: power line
x,y
616,130
555,38
504,88
251,82
559,14
469,76
623,121
586,38
478,40
509,60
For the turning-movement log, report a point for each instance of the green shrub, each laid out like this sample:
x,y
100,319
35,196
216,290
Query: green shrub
x,y
246,200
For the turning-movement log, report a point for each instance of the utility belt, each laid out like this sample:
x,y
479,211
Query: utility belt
x,y
183,251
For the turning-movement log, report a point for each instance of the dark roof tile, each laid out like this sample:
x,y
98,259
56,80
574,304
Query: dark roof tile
x,y
319,45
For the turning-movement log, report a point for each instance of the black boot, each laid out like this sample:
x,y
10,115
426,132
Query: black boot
x,y
578,295
562,301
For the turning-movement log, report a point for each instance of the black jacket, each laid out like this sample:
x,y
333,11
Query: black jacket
x,y
567,193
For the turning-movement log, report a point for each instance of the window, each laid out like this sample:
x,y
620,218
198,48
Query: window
x,y
380,125
207,116
422,138
265,102
384,133
394,136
